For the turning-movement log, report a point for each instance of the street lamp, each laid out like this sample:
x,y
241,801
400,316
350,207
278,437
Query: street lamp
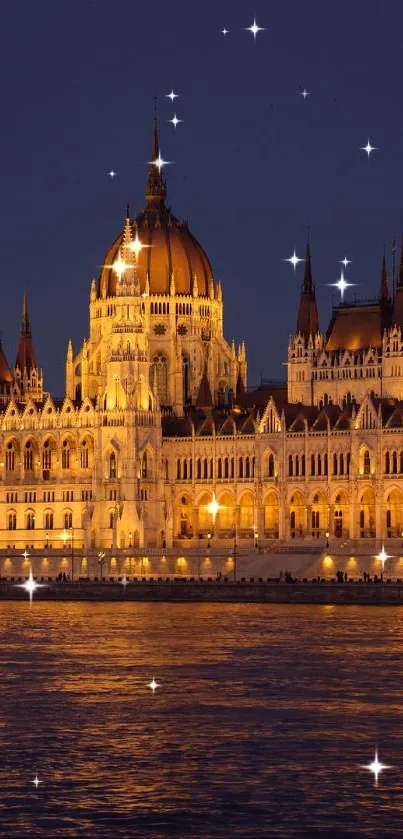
x,y
383,556
208,541
213,507
101,560
327,534
256,540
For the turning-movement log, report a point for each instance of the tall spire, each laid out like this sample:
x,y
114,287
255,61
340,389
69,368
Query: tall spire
x,y
384,288
156,189
25,353
398,301
307,321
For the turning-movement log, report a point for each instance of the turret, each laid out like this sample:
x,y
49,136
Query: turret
x,y
26,374
70,371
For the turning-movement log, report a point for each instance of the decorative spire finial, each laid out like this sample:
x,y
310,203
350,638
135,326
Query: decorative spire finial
x,y
156,190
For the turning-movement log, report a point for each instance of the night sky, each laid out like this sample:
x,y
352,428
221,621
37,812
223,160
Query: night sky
x,y
255,163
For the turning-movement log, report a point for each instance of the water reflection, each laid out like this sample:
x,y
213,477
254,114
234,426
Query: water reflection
x,y
263,720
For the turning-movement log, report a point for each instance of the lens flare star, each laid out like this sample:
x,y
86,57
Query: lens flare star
x,y
368,148
36,781
376,766
305,93
294,259
137,245
112,174
175,121
124,581
119,266
30,585
383,557
254,29
159,162
225,31
342,284
345,262
172,95
153,685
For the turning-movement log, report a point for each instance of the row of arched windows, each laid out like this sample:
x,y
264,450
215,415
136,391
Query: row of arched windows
x,y
48,520
393,463
49,456
225,468
159,308
320,466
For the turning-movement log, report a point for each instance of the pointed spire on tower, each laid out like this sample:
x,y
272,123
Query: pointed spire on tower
x,y
204,398
398,301
25,353
156,189
308,321
384,287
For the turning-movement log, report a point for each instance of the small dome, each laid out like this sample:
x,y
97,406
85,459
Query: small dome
x,y
172,250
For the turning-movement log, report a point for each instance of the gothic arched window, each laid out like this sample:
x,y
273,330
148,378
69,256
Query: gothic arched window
x,y
185,378
28,457
49,520
65,455
10,458
84,455
161,374
12,520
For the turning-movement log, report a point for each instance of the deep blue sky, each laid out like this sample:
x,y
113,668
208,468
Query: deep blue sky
x,y
254,162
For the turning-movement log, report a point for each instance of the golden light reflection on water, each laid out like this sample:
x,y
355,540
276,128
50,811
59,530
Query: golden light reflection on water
x,y
263,715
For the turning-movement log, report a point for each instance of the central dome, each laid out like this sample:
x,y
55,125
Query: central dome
x,y
171,250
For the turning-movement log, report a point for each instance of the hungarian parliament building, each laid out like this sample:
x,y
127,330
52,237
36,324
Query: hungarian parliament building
x,y
159,443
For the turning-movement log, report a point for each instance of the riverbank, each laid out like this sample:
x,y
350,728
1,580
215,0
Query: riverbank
x,y
184,591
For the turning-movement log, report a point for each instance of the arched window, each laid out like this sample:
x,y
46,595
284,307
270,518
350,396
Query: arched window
x,y
270,466
312,464
48,520
185,470
226,469
219,468
240,472
65,455
178,470
205,474
112,466
68,520
247,467
319,464
10,458
30,520
367,463
387,463
297,466
84,455
401,462
28,457
12,520
325,465
185,378
46,455
161,374
341,464
198,469
290,466
144,469
394,463
348,463
111,519
335,464
303,466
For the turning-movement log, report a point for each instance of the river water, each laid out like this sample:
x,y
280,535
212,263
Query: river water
x,y
264,717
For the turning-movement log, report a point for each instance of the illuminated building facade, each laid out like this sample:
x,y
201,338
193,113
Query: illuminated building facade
x,y
157,420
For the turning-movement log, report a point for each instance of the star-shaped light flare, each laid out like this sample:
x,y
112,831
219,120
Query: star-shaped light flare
x,y
159,162
376,766
30,585
368,148
136,245
175,121
342,284
383,556
119,266
254,29
213,507
36,781
153,685
172,95
225,31
112,174
124,582
305,93
345,262
294,259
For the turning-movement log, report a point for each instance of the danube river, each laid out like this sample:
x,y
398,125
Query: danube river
x,y
261,725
